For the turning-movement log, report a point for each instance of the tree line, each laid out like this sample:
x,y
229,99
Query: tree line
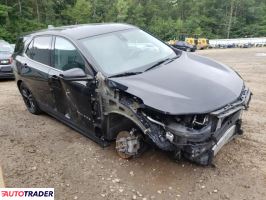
x,y
167,19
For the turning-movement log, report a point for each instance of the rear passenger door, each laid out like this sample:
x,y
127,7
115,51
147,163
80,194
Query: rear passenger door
x,y
35,67
73,99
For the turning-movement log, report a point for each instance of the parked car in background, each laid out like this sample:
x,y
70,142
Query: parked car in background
x,y
231,46
247,45
6,50
117,82
13,46
184,46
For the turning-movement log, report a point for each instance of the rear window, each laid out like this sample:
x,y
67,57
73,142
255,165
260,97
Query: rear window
x,y
6,47
180,43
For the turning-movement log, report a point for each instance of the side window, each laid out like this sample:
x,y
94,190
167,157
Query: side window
x,y
40,49
19,46
29,51
66,56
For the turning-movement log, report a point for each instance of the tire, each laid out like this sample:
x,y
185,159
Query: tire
x,y
29,100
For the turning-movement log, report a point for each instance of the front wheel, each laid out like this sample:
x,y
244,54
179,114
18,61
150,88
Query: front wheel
x,y
29,100
129,144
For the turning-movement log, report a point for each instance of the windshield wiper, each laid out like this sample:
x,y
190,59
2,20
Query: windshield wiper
x,y
125,74
161,62
153,66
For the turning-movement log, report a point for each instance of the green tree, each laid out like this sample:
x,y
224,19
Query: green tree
x,y
122,7
79,13
136,14
166,19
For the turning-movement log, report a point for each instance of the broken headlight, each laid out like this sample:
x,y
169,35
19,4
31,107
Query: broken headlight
x,y
196,121
193,121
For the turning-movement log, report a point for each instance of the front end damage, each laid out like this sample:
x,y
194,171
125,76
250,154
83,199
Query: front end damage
x,y
196,137
199,137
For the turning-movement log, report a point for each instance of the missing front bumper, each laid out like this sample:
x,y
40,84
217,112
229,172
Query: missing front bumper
x,y
203,153
201,145
224,139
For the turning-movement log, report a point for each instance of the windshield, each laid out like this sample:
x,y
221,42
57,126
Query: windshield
x,y
5,47
126,51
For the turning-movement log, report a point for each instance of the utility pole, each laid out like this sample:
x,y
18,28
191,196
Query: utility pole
x,y
37,10
230,18
19,5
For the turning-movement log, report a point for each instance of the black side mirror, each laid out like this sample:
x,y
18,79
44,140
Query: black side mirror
x,y
75,74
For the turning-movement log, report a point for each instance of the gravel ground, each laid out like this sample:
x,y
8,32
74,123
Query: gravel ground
x,y
39,151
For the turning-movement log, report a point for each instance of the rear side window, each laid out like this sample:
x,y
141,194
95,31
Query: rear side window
x,y
29,51
40,49
19,48
66,56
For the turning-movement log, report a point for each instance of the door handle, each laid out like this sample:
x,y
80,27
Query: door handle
x,y
54,78
25,65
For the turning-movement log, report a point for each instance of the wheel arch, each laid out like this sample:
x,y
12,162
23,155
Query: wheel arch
x,y
19,83
116,121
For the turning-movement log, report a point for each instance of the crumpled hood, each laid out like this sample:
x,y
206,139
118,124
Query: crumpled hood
x,y
190,84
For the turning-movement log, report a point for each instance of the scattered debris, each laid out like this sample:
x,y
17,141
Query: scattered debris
x,y
260,54
139,194
117,180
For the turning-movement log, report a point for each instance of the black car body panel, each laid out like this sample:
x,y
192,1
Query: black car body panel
x,y
184,86
189,105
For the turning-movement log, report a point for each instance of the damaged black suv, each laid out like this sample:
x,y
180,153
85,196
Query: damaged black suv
x,y
117,82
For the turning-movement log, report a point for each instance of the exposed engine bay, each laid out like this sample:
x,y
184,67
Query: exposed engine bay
x,y
196,137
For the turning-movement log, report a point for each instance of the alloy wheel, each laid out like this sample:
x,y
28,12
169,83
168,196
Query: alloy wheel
x,y
28,99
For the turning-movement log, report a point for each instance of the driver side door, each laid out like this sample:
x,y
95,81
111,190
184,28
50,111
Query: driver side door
x,y
73,100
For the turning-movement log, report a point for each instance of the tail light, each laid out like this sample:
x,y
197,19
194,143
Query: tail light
x,y
6,61
10,60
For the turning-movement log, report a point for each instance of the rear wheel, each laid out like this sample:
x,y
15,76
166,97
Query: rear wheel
x,y
29,100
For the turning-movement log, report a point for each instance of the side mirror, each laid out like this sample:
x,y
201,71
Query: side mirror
x,y
75,74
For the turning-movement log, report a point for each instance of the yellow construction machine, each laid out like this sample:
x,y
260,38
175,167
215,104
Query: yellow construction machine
x,y
201,43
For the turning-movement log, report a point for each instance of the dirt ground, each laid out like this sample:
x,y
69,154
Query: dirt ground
x,y
39,151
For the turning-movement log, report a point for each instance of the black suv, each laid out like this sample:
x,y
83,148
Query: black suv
x,y
117,82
